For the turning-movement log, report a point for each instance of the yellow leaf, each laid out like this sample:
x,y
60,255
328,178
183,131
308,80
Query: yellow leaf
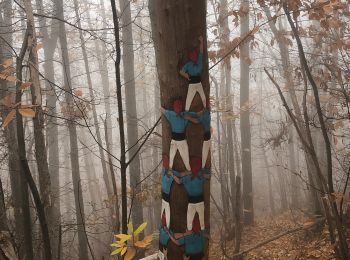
x,y
123,236
130,254
123,251
26,112
117,251
7,63
148,239
130,227
26,85
9,118
140,228
118,244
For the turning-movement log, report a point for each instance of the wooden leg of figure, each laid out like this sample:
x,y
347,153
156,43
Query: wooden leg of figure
x,y
183,149
166,209
173,149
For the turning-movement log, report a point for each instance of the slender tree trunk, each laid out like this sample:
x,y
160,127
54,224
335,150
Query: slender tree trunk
x,y
24,166
38,120
220,152
248,209
19,189
122,161
50,43
116,221
74,155
315,204
130,107
94,113
270,187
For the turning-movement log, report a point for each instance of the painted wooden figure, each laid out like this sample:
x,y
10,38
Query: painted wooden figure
x,y
192,71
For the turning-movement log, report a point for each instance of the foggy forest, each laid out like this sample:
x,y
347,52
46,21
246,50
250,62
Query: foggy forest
x,y
174,129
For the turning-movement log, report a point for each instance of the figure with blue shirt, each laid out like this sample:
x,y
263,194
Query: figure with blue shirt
x,y
164,237
168,176
194,185
178,120
193,241
192,71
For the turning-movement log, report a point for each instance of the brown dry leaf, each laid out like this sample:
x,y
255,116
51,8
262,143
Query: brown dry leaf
x,y
7,77
27,112
7,100
7,63
9,118
26,85
130,254
78,92
309,222
328,9
141,244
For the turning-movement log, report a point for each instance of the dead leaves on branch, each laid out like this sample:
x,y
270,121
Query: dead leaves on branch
x,y
24,111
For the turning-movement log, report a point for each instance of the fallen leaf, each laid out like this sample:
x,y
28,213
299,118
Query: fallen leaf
x,y
27,112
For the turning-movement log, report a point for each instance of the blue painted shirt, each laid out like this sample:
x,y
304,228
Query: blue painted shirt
x,y
178,122
205,120
163,236
193,185
194,69
194,243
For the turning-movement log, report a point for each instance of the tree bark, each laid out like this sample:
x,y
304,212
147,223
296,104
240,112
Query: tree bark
x,y
74,154
248,209
176,26
130,108
50,42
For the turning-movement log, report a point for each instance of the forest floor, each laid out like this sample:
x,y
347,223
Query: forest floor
x,y
299,245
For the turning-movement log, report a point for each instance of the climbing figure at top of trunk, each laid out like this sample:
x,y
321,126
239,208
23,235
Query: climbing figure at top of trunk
x,y
178,120
192,71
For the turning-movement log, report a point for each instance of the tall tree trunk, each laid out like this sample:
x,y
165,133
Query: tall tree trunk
x,y
50,43
122,161
315,204
248,209
38,120
106,178
24,166
222,149
19,189
130,107
176,26
74,155
224,41
270,187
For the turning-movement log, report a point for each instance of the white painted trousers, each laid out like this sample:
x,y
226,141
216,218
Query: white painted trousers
x,y
192,90
166,208
161,256
205,151
182,146
192,209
